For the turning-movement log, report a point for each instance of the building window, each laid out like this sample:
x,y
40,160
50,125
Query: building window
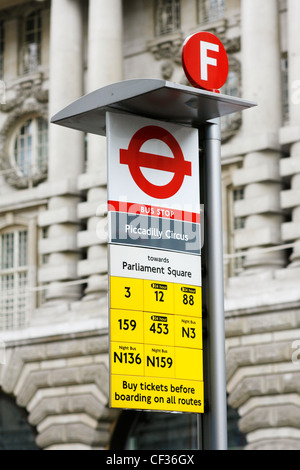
x,y
238,224
32,40
13,278
30,152
211,10
1,51
235,259
167,16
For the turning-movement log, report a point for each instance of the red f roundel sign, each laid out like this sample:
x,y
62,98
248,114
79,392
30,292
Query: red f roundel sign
x,y
205,61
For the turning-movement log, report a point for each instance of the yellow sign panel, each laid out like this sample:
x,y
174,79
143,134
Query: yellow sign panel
x,y
155,393
156,355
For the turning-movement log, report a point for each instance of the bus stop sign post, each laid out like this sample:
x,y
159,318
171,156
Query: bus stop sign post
x,y
201,109
205,62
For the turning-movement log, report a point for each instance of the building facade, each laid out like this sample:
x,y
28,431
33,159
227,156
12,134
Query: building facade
x,y
53,259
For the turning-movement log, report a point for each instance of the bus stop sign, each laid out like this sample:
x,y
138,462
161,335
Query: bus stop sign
x,y
205,61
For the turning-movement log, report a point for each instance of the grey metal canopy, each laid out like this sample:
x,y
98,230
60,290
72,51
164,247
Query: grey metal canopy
x,y
153,98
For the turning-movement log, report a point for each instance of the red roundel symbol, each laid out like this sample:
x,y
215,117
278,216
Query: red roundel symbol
x,y
205,61
135,159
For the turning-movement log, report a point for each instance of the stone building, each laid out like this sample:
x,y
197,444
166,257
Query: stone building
x,y
53,265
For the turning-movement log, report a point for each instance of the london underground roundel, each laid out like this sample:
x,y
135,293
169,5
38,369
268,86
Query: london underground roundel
x,y
135,159
205,61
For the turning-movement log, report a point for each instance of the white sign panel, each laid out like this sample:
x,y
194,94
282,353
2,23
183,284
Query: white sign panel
x,y
152,163
145,263
153,184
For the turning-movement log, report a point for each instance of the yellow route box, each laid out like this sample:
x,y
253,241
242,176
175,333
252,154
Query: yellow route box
x,y
188,300
127,359
126,293
188,332
158,297
126,325
158,329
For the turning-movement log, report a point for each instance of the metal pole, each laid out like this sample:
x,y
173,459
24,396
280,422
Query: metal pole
x,y
214,430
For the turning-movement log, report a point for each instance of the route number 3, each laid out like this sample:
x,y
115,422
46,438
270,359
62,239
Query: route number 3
x,y
128,293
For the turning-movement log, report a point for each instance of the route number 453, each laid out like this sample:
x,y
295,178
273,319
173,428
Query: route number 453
x,y
159,328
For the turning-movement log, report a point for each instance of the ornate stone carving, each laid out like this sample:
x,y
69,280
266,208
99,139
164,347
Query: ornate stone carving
x,y
30,100
167,47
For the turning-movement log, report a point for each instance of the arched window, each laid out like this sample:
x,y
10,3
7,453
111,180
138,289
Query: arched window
x,y
30,147
32,42
15,431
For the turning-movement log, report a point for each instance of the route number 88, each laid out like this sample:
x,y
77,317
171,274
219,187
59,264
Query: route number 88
x,y
188,299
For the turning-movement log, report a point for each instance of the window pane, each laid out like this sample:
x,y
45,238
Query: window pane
x,y
211,10
23,248
7,301
22,299
31,56
31,148
167,16
23,148
7,251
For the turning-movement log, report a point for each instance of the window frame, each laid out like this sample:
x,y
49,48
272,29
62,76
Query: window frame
x,y
38,151
14,222
207,13
14,279
172,23
31,57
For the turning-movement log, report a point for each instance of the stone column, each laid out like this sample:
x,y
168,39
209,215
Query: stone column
x,y
290,167
105,66
260,173
66,152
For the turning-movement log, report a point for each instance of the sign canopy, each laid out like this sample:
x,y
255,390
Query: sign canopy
x,y
152,98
